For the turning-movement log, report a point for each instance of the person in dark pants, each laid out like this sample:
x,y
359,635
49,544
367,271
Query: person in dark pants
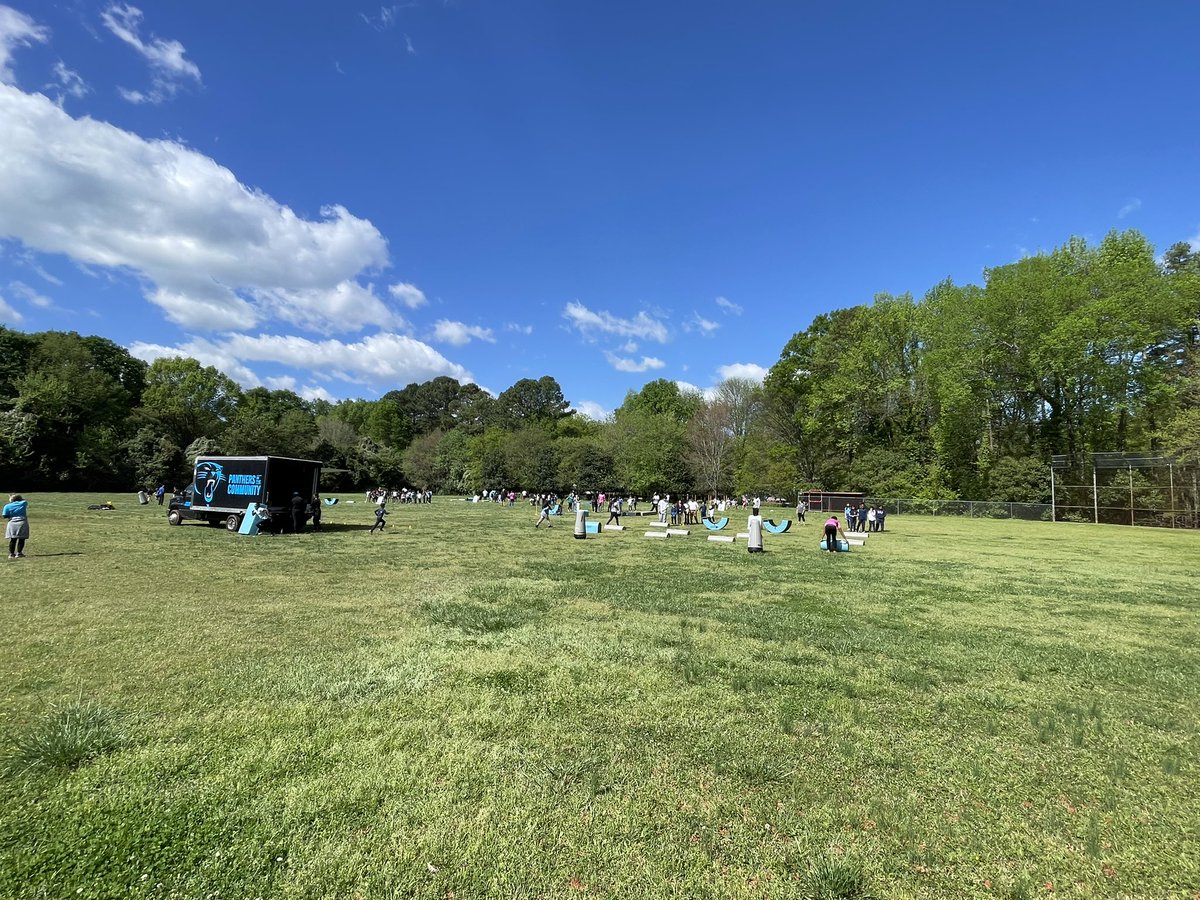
x,y
160,493
832,530
380,518
614,511
298,504
316,512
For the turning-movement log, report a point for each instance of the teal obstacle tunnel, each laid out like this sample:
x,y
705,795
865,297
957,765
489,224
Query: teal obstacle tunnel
x,y
716,524
783,526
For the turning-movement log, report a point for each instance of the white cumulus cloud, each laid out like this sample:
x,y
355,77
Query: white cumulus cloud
x,y
169,65
408,294
701,324
624,364
459,333
591,410
642,326
381,360
16,30
32,297
749,371
215,255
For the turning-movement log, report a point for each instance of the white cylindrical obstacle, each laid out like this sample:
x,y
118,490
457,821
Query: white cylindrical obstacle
x,y
720,538
657,534
680,531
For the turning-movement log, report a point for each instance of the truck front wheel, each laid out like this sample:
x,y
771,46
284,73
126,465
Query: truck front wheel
x,y
233,523
174,518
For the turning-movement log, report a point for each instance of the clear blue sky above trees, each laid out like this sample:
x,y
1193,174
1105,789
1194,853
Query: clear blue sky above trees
x,y
344,199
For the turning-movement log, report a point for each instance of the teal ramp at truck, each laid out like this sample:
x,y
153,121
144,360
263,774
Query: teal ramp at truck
x,y
716,524
777,529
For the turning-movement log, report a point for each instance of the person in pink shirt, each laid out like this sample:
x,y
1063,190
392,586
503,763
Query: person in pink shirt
x,y
833,530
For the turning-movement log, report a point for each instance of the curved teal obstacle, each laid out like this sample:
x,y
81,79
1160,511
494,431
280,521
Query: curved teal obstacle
x,y
592,527
716,524
329,501
783,526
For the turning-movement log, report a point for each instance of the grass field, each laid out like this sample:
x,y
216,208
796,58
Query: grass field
x,y
465,707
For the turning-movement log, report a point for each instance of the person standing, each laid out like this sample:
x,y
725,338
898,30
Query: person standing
x,y
160,493
754,528
799,511
17,531
870,518
298,504
545,516
833,530
316,512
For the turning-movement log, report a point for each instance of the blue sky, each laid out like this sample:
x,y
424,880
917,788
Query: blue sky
x,y
341,199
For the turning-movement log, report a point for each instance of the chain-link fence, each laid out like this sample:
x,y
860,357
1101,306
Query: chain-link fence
x,y
1180,517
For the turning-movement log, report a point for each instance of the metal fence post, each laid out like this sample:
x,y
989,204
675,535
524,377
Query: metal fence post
x,y
1095,501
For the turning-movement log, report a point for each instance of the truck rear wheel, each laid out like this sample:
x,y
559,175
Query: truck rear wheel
x,y
233,523
174,518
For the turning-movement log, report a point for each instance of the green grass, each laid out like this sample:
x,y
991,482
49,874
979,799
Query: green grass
x,y
465,706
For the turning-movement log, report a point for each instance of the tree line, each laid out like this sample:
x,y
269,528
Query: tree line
x,y
964,393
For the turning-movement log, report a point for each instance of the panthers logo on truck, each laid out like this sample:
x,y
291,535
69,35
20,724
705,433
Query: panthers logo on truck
x,y
209,476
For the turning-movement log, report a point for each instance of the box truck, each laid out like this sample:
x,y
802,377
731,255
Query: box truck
x,y
224,487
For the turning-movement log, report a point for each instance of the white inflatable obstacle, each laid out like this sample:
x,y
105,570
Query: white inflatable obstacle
x,y
679,531
614,527
744,535
858,535
657,534
721,538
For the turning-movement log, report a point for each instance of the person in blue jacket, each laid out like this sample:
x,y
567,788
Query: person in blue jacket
x,y
17,531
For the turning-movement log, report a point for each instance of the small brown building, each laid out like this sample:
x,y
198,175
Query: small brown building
x,y
831,501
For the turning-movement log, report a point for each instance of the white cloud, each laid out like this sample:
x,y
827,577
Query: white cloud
x,y
216,255
459,333
281,383
169,66
728,306
1194,241
408,294
17,30
408,44
629,347
1131,207
641,326
701,324
520,329
623,364
8,314
380,360
69,83
30,296
687,387
309,392
386,18
592,410
748,371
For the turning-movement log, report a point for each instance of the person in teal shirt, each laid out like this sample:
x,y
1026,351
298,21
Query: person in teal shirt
x,y
17,531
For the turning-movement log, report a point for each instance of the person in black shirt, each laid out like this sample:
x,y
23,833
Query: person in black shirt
x,y
298,504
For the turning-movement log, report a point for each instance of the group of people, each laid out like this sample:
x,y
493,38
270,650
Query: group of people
x,y
405,495
865,518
